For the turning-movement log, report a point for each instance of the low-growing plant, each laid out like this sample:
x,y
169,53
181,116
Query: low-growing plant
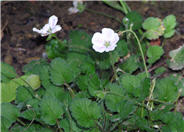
x,y
97,83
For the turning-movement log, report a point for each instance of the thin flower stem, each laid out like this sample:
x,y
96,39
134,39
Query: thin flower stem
x,y
21,122
70,89
113,68
57,121
103,14
152,87
140,48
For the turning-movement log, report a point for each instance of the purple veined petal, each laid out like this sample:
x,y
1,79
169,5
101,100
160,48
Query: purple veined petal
x,y
98,48
76,2
36,30
108,34
46,28
56,29
115,39
73,10
53,21
97,39
110,48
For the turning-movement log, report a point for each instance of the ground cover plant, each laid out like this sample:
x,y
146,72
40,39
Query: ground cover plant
x,y
99,82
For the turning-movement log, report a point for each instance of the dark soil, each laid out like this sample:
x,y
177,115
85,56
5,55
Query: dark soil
x,y
20,44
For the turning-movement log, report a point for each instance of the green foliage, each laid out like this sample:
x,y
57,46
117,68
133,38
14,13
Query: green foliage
x,y
177,62
154,28
154,53
9,114
114,97
55,48
114,4
151,23
8,89
169,24
85,112
61,72
160,71
23,94
131,64
51,110
7,72
33,81
81,90
167,89
134,18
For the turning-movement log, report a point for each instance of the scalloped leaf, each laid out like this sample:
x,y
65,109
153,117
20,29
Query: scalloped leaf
x,y
7,72
166,89
85,112
177,58
154,53
9,114
51,109
61,72
115,96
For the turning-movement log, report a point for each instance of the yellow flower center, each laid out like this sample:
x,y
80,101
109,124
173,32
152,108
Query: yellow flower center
x,y
107,44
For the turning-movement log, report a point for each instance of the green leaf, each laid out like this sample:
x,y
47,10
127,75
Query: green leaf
x,y
85,112
93,84
9,114
160,71
154,53
79,41
61,72
22,94
131,84
134,18
169,22
55,48
9,88
122,48
33,81
125,108
131,64
32,128
151,23
114,4
114,97
166,89
177,62
152,34
82,82
34,67
169,33
51,109
7,72
29,114
69,126
83,61
59,93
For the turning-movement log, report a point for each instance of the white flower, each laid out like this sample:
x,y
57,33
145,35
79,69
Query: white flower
x,y
50,27
74,9
105,41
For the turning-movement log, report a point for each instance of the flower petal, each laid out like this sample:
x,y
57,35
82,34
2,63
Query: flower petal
x,y
73,10
36,30
56,28
108,34
98,48
53,21
97,39
110,48
115,39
